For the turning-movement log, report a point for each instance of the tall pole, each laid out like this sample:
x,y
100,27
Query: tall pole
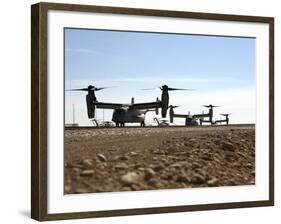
x,y
103,115
73,114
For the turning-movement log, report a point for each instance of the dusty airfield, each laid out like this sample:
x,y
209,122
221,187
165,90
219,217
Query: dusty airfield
x,y
125,159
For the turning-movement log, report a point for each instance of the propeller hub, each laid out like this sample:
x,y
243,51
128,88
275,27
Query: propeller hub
x,y
164,87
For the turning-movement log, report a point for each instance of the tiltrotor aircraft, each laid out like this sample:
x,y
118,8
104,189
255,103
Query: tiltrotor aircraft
x,y
127,113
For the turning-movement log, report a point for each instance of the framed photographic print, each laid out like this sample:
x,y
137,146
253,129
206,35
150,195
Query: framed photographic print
x,y
140,111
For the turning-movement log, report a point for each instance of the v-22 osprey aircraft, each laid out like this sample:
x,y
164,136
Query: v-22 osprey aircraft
x,y
127,113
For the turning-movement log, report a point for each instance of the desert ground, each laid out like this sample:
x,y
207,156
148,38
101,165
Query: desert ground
x,y
132,159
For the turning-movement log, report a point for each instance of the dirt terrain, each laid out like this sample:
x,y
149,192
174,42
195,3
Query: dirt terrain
x,y
125,159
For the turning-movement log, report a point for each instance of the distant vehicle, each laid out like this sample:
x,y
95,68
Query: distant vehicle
x,y
107,124
161,122
209,115
100,123
226,120
192,120
72,125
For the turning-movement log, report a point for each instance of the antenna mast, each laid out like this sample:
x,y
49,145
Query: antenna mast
x,y
102,115
73,114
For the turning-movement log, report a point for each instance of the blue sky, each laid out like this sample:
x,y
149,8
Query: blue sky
x,y
221,69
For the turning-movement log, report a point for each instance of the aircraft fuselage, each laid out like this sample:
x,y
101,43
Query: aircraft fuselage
x,y
123,115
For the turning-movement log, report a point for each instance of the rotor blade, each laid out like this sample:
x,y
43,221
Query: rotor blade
x,y
90,88
161,88
209,106
171,106
84,89
172,89
100,88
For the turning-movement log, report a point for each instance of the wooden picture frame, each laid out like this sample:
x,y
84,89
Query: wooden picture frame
x,y
39,108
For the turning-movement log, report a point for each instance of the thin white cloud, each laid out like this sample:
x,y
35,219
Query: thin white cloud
x,y
153,79
159,79
83,51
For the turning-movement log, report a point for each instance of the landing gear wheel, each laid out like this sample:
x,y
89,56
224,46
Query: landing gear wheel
x,y
142,124
117,124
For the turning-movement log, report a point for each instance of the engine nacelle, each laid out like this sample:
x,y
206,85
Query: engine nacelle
x,y
171,114
157,108
90,107
164,103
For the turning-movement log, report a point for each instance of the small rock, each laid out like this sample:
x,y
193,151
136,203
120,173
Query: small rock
x,y
176,165
252,181
126,188
87,173
230,156
75,170
157,151
123,158
152,181
121,166
167,142
149,173
88,162
102,157
79,166
249,165
198,179
132,178
101,166
182,178
242,154
213,182
67,188
228,146
167,176
158,168
137,187
133,153
137,166
81,190
207,156
68,165
195,165
217,141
